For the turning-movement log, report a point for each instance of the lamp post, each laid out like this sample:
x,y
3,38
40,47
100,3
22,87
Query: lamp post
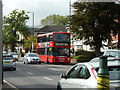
x,y
1,52
33,28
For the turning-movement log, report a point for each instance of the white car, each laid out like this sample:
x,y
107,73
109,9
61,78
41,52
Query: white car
x,y
112,54
31,58
4,52
84,75
95,59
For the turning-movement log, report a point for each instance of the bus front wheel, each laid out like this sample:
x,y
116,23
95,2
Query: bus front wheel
x,y
48,60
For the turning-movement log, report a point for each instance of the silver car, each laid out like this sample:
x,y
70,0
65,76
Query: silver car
x,y
14,54
9,62
84,75
31,58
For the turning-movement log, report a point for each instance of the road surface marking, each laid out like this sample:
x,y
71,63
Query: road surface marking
x,y
10,84
47,78
30,73
18,69
54,69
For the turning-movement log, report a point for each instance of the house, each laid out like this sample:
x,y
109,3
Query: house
x,y
51,28
21,37
114,41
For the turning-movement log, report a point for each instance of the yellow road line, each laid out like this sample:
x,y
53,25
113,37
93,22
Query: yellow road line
x,y
10,84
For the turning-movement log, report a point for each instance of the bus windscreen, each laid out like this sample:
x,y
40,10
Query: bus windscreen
x,y
61,52
59,37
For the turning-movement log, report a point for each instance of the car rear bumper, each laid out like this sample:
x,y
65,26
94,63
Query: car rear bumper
x,y
7,67
35,61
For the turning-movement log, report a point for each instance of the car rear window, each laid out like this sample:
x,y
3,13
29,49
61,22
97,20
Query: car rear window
x,y
33,55
114,72
112,53
7,57
13,53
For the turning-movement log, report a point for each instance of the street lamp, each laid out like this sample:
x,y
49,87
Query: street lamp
x,y
1,51
32,18
32,27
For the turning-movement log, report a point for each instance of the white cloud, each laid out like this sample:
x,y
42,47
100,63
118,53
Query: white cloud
x,y
41,8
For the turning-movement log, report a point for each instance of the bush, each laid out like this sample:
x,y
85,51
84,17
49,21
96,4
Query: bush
x,y
74,57
83,56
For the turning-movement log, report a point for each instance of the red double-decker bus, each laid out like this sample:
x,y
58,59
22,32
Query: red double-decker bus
x,y
54,47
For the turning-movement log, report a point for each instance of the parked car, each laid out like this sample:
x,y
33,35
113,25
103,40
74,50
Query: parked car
x,y
31,58
4,52
112,54
84,75
9,62
14,54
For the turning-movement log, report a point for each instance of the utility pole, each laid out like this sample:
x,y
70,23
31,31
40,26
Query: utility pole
x,y
118,36
1,51
33,28
118,39
70,7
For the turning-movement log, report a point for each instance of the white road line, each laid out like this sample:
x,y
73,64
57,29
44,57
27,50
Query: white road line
x,y
30,73
47,78
18,69
54,69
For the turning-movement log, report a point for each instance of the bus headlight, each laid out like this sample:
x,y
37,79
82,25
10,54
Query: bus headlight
x,y
68,59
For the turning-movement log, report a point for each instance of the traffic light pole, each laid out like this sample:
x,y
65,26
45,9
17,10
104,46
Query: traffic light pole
x,y
1,52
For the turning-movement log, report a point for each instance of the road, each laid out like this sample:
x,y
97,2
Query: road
x,y
35,75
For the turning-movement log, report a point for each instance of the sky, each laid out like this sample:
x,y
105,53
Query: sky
x,y
41,8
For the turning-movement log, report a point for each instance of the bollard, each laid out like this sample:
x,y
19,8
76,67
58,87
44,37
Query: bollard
x,y
103,74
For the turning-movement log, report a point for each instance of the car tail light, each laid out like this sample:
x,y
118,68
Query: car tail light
x,y
93,71
14,60
117,59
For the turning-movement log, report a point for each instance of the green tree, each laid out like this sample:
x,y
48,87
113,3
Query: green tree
x,y
94,22
15,21
54,20
28,43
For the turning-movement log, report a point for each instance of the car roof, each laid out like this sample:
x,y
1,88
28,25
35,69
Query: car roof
x,y
109,63
7,55
93,59
113,50
12,52
31,53
96,64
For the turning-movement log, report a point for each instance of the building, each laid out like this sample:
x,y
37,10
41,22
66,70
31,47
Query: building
x,y
51,28
20,47
114,41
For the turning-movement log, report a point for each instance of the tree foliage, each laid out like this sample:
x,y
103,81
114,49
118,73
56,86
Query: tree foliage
x,y
94,21
13,23
28,43
54,20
